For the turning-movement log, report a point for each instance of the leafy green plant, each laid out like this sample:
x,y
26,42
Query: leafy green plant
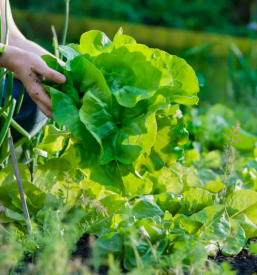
x,y
119,103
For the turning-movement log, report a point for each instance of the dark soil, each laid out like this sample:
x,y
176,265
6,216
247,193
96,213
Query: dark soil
x,y
245,263
83,248
84,251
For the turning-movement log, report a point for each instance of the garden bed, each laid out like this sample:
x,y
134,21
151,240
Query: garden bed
x,y
244,263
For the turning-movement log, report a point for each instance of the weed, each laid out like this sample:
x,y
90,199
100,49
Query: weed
x,y
230,155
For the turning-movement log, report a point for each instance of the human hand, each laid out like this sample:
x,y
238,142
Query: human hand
x,y
31,70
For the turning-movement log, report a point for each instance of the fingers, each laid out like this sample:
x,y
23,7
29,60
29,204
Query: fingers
x,y
50,74
41,98
48,113
32,77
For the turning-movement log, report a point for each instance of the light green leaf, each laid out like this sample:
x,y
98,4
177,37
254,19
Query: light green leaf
x,y
247,140
121,222
66,112
184,252
113,202
165,150
75,47
87,77
52,63
7,215
185,100
143,208
212,159
191,180
7,174
2,50
68,52
214,186
242,201
191,156
182,73
146,77
151,229
122,142
94,42
121,40
168,202
206,175
249,228
35,198
187,224
122,80
57,178
143,250
165,180
134,184
110,243
215,220
70,91
196,199
54,139
253,248
235,241
108,174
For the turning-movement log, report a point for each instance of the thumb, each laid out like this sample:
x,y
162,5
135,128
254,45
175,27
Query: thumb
x,y
51,74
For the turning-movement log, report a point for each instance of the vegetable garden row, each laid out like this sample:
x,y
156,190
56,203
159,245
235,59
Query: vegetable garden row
x,y
129,176
118,163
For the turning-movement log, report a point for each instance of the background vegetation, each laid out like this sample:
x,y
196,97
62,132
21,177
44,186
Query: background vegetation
x,y
224,77
223,16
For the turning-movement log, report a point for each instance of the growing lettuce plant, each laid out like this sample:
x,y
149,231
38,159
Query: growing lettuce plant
x,y
120,103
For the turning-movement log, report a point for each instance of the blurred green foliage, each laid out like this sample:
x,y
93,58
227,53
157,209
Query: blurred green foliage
x,y
223,16
227,78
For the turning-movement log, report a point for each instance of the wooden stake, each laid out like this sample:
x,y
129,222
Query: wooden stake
x,y
18,179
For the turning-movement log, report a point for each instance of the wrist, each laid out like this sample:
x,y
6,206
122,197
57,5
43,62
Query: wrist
x,y
10,58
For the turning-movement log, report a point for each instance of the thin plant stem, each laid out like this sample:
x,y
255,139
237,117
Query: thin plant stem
x,y
4,73
16,145
5,149
17,127
139,261
2,110
8,96
19,183
35,159
7,122
6,23
66,23
8,101
4,124
20,100
55,42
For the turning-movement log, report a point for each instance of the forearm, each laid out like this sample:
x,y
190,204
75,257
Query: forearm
x,y
24,44
21,42
16,38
